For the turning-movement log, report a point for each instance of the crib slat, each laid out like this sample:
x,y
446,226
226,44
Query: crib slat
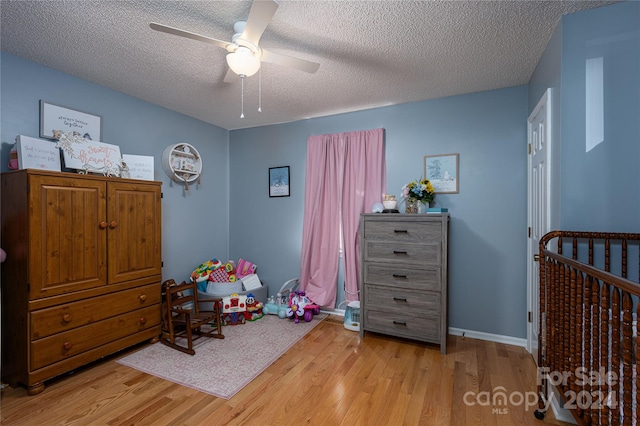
x,y
595,346
635,366
587,319
616,326
604,346
627,359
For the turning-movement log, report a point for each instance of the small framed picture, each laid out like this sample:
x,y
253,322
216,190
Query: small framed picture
x,y
58,118
442,171
279,181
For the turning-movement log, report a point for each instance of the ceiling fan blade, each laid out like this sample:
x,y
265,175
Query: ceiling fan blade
x,y
188,34
259,17
289,61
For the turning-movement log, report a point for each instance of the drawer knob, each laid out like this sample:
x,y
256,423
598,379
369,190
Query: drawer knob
x,y
395,322
400,231
67,345
402,252
66,318
142,297
399,299
399,276
103,225
143,320
113,224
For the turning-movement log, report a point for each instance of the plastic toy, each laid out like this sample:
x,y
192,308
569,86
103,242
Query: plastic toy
x,y
201,273
234,308
278,305
254,308
301,306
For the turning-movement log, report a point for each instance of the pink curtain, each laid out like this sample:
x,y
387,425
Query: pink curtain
x,y
345,176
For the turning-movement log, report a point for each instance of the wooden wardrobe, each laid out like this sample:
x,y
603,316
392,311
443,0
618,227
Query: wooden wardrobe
x,y
83,271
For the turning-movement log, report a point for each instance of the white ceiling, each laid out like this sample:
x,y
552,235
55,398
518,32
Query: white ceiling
x,y
371,53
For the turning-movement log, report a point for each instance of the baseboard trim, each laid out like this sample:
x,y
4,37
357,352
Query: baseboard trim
x,y
488,337
337,312
459,332
559,412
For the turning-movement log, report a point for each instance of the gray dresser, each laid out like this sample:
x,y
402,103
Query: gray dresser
x,y
404,276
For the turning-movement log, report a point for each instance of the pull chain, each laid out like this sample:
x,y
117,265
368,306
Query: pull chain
x,y
260,90
242,98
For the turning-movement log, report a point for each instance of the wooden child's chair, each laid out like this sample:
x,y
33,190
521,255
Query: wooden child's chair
x,y
182,317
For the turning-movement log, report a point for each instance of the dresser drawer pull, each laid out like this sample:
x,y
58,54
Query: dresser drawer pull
x,y
399,299
142,297
400,231
400,276
400,322
143,320
67,345
404,253
67,318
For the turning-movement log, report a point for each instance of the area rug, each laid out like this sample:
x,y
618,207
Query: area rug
x,y
222,367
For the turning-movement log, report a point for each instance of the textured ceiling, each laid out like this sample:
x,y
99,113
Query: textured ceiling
x,y
371,53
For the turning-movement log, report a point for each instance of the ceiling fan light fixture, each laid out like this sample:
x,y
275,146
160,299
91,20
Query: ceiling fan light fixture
x,y
243,62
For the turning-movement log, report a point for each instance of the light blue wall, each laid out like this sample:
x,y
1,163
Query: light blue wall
x,y
230,215
547,75
487,281
601,188
195,224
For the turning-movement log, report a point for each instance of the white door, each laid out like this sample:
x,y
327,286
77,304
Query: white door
x,y
539,204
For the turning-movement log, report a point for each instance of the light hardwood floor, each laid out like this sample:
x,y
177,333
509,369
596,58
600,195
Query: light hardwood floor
x,y
331,377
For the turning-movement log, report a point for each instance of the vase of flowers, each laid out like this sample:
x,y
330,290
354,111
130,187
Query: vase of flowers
x,y
418,195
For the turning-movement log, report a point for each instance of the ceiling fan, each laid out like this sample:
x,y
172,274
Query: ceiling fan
x,y
244,52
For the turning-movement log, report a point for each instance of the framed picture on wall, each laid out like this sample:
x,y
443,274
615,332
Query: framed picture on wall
x,y
279,181
56,117
442,171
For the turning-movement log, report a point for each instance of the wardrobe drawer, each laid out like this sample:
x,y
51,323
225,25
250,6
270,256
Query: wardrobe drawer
x,y
73,342
402,231
402,300
399,275
421,254
398,324
50,321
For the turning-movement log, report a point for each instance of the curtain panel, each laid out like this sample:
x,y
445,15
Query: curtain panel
x,y
345,176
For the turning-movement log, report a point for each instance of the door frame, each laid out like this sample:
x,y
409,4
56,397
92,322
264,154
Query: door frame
x,y
552,204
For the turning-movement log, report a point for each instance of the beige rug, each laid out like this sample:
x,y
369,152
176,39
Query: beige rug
x,y
223,367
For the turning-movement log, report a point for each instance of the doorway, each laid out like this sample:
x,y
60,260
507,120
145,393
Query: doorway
x,y
540,181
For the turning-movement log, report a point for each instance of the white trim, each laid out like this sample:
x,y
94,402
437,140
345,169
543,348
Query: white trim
x,y
546,102
559,413
336,312
509,340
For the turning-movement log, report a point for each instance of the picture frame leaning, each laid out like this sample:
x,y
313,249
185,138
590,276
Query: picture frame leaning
x,y
442,171
279,181
56,117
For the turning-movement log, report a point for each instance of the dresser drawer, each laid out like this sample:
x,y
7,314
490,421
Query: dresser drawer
x,y
428,253
397,324
402,231
402,300
73,342
50,321
399,275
